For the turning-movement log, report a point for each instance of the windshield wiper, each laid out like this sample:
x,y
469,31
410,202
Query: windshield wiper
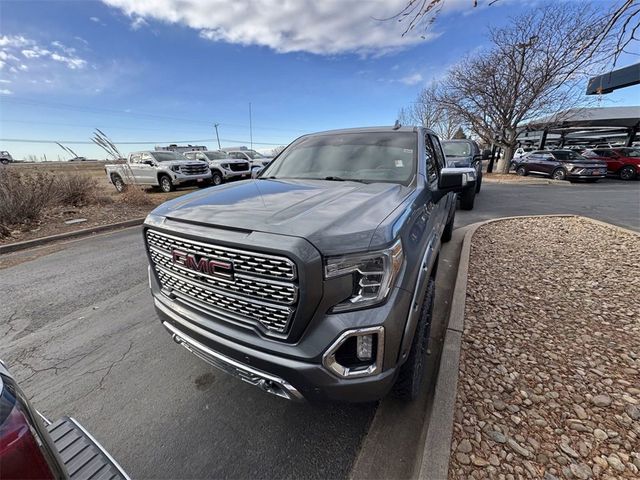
x,y
340,179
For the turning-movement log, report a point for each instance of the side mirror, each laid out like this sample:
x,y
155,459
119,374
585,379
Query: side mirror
x,y
486,154
455,179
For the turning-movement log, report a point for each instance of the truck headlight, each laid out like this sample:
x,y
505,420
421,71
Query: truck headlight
x,y
225,166
373,275
175,168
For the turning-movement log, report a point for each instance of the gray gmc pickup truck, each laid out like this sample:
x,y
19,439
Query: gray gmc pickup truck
x,y
316,279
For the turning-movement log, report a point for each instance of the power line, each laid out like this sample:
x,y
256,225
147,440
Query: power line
x,y
87,142
124,113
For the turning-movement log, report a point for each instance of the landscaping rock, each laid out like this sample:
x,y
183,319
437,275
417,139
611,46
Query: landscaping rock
x,y
550,390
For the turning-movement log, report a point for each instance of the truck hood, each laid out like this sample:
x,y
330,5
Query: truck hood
x,y
334,216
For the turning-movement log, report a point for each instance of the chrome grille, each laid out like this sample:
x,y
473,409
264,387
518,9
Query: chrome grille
x,y
239,167
268,266
261,291
199,168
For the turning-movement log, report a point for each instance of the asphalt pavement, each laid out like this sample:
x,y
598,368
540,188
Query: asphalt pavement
x,y
79,333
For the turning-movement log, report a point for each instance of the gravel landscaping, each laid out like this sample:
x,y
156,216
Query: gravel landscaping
x,y
549,382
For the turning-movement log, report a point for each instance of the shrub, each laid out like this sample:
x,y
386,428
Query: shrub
x,y
23,197
75,189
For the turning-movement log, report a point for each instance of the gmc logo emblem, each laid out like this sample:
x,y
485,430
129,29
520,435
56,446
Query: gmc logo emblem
x,y
202,264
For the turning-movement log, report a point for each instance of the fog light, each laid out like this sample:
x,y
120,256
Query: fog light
x,y
364,348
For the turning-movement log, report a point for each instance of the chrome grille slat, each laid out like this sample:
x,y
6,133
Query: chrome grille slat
x,y
194,169
262,290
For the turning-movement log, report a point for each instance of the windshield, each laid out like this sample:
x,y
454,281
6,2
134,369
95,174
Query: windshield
x,y
366,157
456,149
167,156
567,155
215,155
253,154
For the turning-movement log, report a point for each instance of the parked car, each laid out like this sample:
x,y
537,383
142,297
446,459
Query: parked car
x,y
256,159
223,168
158,168
5,157
562,165
78,159
31,447
623,162
466,154
317,279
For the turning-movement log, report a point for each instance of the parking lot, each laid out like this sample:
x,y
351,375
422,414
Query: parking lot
x,y
82,339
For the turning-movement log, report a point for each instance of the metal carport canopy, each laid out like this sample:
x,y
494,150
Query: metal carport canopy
x,y
600,120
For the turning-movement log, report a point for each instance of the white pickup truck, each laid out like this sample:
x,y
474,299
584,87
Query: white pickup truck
x,y
158,169
223,168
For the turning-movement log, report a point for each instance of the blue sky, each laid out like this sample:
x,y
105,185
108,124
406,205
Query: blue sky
x,y
167,70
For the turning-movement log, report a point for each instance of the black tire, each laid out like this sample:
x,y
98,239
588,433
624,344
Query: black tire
x,y
411,375
4,161
559,174
521,171
166,185
447,233
216,178
479,182
592,180
118,183
468,198
627,173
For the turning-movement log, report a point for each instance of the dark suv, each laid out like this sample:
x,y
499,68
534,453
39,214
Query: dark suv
x,y
561,165
317,278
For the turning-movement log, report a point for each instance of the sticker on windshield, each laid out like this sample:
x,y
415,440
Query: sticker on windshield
x,y
407,150
399,163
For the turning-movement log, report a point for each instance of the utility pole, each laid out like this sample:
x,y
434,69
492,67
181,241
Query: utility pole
x,y
250,127
217,136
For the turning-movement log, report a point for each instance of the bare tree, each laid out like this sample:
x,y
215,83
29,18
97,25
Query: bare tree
x,y
427,111
276,151
533,68
621,21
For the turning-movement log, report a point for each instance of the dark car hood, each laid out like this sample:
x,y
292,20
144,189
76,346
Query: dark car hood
x,y
458,162
332,215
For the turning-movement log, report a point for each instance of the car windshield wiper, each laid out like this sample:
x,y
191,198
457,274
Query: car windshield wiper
x,y
340,179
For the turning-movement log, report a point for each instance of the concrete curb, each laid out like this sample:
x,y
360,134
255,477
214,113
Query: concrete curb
x,y
14,247
532,181
434,464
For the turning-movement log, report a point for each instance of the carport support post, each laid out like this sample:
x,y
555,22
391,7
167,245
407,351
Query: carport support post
x,y
562,135
632,133
543,139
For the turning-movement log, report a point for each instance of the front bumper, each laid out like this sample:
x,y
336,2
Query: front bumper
x,y
231,175
179,179
292,371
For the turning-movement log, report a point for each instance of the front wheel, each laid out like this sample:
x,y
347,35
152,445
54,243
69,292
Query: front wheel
x,y
559,174
118,183
166,185
447,233
216,178
411,375
627,173
521,171
468,198
479,182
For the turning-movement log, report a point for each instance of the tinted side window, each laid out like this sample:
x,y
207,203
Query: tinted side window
x,y
430,158
135,158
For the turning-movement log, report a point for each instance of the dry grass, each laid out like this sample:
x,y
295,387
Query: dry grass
x,y
136,197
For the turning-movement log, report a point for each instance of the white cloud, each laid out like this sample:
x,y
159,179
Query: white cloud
x,y
326,27
35,55
73,63
94,19
412,79
14,41
138,23
5,91
4,80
